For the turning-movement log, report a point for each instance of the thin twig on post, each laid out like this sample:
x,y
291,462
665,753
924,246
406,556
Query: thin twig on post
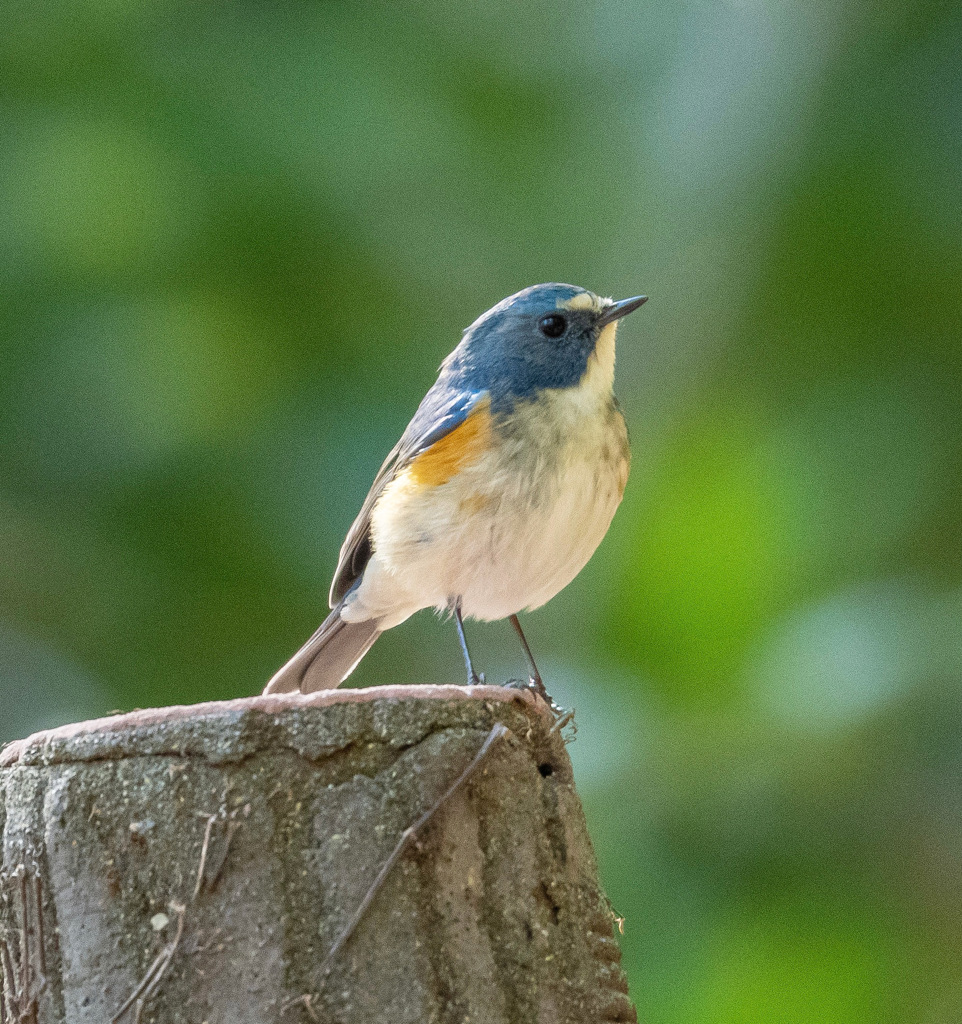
x,y
155,973
150,982
203,856
21,981
407,836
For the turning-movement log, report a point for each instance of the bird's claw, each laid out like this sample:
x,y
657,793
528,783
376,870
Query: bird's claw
x,y
538,687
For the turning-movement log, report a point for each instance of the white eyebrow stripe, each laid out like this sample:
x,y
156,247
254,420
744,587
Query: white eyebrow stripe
x,y
583,300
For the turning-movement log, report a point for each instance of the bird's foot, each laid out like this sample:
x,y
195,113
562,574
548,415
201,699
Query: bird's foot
x,y
536,685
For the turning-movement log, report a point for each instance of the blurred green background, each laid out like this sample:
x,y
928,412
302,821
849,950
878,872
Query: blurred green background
x,y
237,240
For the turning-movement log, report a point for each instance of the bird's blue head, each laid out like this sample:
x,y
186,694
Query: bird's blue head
x,y
542,337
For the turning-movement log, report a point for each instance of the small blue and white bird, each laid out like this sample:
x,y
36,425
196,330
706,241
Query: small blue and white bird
x,y
499,490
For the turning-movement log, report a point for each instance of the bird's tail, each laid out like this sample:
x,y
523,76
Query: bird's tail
x,y
328,658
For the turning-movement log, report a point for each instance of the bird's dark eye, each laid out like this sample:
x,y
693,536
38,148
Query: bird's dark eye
x,y
552,325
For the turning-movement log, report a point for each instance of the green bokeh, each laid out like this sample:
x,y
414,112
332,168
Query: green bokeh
x,y
238,239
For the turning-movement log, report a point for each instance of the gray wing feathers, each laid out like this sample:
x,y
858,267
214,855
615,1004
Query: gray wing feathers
x,y
328,658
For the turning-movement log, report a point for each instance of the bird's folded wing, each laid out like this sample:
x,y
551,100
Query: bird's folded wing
x,y
438,417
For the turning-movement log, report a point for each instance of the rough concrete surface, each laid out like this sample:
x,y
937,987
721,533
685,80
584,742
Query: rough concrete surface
x,y
204,860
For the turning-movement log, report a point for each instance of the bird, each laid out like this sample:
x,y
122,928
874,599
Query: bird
x,y
498,492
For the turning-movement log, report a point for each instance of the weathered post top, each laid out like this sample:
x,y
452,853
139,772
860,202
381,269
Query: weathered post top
x,y
398,854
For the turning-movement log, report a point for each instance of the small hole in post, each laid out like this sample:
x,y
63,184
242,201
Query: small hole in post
x,y
546,769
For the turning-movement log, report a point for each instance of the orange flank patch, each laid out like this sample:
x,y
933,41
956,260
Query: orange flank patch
x,y
461,447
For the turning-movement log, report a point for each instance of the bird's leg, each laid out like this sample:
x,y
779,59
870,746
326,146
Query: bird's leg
x,y
473,678
536,680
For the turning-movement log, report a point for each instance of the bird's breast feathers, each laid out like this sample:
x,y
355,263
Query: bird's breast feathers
x,y
505,510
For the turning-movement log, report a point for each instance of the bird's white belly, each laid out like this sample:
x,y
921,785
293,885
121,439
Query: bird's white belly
x,y
520,555
505,534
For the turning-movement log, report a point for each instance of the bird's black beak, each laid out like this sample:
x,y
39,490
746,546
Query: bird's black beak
x,y
619,309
